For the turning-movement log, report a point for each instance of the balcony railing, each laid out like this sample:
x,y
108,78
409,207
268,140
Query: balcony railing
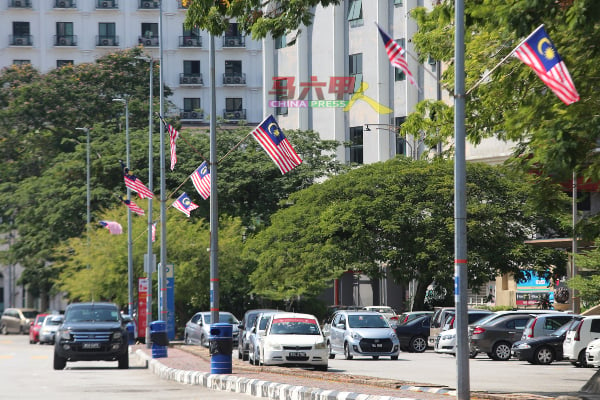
x,y
107,4
65,40
192,115
107,40
234,41
19,3
149,42
65,4
148,5
234,79
190,41
234,114
20,40
191,79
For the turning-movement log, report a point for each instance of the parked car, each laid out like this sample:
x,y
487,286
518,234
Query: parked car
x,y
545,324
446,340
294,339
257,332
49,328
244,331
592,353
542,349
578,337
197,329
412,334
92,332
387,311
17,320
34,328
410,315
495,337
441,317
362,333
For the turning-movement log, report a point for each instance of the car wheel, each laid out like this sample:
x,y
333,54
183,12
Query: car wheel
x,y
544,355
331,354
240,352
320,367
418,344
501,351
203,341
347,352
473,353
186,339
4,330
31,341
375,357
581,361
59,362
394,357
124,361
245,354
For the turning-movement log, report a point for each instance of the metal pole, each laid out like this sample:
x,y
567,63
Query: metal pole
x,y
150,265
129,228
460,210
88,190
214,225
574,301
162,289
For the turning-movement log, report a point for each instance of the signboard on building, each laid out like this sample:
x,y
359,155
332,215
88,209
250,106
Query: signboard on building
x,y
533,290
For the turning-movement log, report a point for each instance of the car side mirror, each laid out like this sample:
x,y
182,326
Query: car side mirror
x,y
127,319
340,326
241,326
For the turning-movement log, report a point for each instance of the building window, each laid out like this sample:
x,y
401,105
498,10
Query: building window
x,y
21,62
149,35
280,42
233,37
63,63
281,95
233,103
21,29
355,15
191,104
64,33
193,33
356,144
400,140
355,69
107,33
191,68
398,74
398,3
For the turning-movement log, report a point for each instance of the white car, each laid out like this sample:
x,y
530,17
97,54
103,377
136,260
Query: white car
x,y
387,311
592,353
257,333
579,335
294,339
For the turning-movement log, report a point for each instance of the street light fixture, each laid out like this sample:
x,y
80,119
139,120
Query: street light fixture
x,y
129,240
395,130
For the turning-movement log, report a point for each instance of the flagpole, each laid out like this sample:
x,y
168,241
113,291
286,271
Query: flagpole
x,y
487,74
214,223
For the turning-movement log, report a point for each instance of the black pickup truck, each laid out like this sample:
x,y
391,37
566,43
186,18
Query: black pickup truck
x,y
92,332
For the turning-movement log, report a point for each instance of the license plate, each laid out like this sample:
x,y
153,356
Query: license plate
x,y
377,344
297,354
91,345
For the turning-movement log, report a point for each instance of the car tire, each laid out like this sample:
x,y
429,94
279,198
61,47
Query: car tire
x,y
544,355
581,361
375,357
418,344
59,362
31,341
186,339
4,330
321,368
394,357
245,355
501,351
203,341
331,353
473,353
347,352
124,361
240,352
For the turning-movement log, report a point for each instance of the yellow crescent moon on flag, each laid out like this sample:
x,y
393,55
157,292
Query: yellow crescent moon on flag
x,y
274,130
548,52
186,202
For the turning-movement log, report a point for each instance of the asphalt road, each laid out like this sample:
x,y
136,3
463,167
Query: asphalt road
x,y
26,373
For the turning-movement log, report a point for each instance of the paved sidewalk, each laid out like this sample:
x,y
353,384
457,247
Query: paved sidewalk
x,y
191,365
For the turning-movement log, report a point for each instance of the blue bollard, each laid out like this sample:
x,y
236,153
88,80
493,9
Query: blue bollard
x,y
221,347
158,336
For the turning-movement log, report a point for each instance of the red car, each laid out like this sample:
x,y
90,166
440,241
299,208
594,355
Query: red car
x,y
34,329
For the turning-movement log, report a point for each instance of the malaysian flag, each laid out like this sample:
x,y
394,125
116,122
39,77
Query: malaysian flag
x,y
134,183
201,180
113,227
184,204
133,207
539,53
173,135
270,136
395,54
153,232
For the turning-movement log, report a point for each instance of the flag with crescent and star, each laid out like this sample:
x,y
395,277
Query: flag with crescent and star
x,y
134,183
538,52
270,136
201,180
133,207
113,227
184,204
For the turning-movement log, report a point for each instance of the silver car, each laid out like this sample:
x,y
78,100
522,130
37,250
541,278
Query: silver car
x,y
257,332
362,333
197,329
49,328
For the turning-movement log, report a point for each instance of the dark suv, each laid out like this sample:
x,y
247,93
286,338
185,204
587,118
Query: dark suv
x,y
92,332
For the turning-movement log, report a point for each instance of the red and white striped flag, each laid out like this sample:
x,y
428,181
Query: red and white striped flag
x,y
395,54
173,135
134,183
201,180
270,136
153,232
113,227
133,207
184,204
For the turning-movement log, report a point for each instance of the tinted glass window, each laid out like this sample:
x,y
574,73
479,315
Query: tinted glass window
x,y
595,325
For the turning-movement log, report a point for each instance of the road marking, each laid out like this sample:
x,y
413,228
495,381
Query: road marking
x,y
39,357
5,357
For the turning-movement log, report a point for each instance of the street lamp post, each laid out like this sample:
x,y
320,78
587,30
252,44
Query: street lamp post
x,y
394,129
129,240
150,254
87,186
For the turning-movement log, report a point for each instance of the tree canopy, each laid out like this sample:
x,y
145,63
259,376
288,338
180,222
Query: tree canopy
x,y
398,215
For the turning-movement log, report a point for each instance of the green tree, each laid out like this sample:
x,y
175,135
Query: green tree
x,y
399,214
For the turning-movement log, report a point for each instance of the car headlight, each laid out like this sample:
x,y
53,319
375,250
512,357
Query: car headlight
x,y
320,345
65,335
271,346
117,335
448,337
356,336
523,346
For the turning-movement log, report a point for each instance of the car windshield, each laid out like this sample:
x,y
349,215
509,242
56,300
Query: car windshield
x,y
40,319
562,329
367,321
30,314
294,326
223,318
483,320
98,314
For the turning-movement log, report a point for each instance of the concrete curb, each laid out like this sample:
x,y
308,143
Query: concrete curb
x,y
265,389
